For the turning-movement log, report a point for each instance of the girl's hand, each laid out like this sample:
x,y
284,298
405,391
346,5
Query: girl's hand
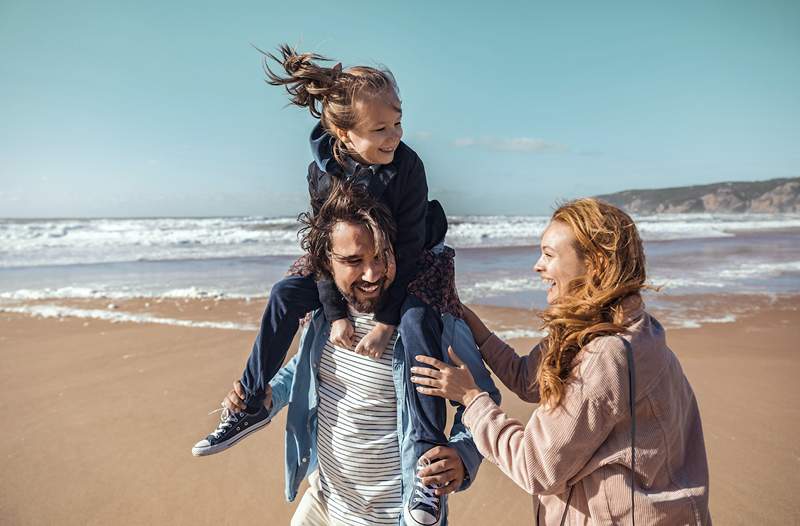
x,y
454,383
342,333
375,341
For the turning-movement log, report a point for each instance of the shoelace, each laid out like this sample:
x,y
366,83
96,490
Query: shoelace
x,y
226,420
423,493
426,495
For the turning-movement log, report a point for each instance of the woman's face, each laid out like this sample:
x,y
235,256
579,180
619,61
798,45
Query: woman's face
x,y
560,262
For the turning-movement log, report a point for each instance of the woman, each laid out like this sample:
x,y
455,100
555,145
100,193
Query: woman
x,y
587,454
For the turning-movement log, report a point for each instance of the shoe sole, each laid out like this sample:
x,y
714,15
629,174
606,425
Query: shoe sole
x,y
410,521
222,446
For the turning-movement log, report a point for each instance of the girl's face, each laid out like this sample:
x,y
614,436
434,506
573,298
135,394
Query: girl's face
x,y
377,132
560,262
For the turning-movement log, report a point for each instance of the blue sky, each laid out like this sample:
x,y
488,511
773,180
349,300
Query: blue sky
x,y
159,108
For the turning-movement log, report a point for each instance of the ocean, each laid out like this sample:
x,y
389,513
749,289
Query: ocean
x,y
694,259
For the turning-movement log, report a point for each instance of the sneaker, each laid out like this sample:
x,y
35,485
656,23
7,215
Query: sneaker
x,y
232,428
424,508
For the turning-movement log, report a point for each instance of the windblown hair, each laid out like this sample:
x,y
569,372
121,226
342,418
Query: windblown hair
x,y
347,203
608,241
330,94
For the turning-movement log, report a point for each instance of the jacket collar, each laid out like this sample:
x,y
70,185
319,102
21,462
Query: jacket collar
x,y
322,149
632,308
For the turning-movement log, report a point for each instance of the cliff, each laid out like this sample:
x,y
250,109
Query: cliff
x,y
773,196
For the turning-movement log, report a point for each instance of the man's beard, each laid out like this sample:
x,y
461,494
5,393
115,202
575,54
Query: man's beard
x,y
366,306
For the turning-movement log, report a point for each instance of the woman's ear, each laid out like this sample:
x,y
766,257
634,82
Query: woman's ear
x,y
597,266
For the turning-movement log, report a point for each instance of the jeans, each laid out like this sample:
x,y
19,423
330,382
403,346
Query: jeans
x,y
420,330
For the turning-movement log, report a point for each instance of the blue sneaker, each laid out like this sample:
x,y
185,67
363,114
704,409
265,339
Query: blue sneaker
x,y
232,428
424,508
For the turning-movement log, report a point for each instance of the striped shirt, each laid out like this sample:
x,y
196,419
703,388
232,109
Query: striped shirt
x,y
357,444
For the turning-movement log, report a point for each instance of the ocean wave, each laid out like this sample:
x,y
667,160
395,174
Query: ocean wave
x,y
62,242
29,243
57,311
120,293
497,287
761,270
696,323
511,334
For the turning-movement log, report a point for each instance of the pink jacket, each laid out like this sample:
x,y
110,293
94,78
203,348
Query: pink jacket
x,y
585,442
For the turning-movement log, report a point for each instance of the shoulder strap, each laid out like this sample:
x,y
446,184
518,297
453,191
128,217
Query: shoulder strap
x,y
632,402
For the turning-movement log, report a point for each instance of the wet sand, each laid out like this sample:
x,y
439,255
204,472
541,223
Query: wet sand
x,y
101,416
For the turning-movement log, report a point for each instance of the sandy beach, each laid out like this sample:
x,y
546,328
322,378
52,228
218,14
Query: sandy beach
x,y
101,417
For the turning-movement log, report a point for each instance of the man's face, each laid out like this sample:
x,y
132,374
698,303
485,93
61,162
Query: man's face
x,y
361,275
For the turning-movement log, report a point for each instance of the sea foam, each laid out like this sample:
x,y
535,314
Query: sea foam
x,y
58,311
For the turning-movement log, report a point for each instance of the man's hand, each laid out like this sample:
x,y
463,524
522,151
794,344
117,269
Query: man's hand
x,y
446,470
234,401
342,333
375,341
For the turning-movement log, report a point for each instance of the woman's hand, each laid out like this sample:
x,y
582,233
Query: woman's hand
x,y
375,341
454,383
342,333
444,469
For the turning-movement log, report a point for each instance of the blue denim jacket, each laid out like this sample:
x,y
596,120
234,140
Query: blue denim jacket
x,y
296,385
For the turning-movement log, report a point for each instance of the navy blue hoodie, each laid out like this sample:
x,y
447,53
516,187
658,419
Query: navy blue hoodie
x,y
402,187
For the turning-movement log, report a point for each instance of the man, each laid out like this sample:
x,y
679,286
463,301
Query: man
x,y
353,420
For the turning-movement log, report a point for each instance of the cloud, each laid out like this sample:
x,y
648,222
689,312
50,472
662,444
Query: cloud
x,y
422,135
513,144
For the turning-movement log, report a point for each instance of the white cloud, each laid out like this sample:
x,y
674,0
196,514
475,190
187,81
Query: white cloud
x,y
422,135
513,144
462,143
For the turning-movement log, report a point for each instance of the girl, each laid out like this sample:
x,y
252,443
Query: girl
x,y
357,140
617,412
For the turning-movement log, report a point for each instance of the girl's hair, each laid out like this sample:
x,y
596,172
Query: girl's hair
x,y
607,240
329,94
349,203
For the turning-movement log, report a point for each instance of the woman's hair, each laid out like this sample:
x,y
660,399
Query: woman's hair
x,y
349,203
607,240
330,94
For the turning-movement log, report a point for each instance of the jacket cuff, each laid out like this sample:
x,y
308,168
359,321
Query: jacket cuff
x,y
470,457
390,312
333,303
479,406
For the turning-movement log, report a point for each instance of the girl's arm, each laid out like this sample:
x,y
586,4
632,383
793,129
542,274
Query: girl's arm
x,y
332,301
409,215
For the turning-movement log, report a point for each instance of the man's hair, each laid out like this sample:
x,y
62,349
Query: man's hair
x,y
346,203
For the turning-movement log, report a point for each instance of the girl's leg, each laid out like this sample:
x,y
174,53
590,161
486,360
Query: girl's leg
x,y
290,299
421,333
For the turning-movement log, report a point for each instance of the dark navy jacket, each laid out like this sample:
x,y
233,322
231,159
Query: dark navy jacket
x,y
402,187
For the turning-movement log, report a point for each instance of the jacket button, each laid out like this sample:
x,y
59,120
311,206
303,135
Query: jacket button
x,y
304,460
